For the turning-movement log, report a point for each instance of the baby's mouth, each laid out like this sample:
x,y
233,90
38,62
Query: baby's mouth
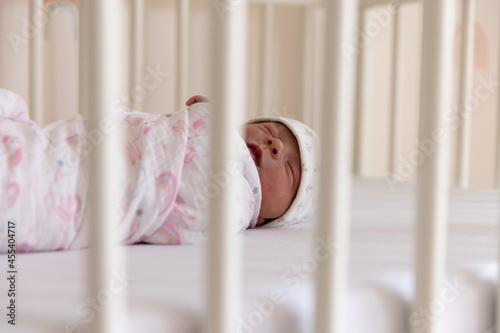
x,y
255,152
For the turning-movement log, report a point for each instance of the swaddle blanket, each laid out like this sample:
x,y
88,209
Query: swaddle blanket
x,y
166,187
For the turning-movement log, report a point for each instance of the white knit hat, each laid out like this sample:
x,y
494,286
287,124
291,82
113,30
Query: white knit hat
x,y
309,147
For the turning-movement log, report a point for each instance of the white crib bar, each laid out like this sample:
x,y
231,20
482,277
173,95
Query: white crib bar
x,y
497,169
395,100
497,150
359,119
336,132
498,187
224,247
182,52
308,65
318,60
309,70
36,63
267,60
137,54
433,173
100,56
465,91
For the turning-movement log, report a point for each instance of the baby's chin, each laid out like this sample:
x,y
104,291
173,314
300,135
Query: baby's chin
x,y
263,221
270,213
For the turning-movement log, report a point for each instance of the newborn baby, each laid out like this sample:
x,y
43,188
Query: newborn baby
x,y
166,186
286,154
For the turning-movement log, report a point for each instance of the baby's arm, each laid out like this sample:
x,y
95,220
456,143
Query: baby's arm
x,y
196,99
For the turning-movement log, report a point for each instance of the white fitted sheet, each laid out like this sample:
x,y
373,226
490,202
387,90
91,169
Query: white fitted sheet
x,y
167,291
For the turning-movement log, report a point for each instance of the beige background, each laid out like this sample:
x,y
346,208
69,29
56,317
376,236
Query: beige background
x,y
61,69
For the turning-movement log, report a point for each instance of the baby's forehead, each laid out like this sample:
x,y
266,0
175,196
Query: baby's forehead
x,y
280,125
277,124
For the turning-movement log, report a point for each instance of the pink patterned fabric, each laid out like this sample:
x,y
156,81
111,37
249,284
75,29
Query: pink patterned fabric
x,y
165,184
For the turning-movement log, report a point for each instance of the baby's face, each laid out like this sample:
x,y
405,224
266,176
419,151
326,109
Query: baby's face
x,y
275,152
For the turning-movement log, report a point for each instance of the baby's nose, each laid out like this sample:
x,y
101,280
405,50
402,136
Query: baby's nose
x,y
275,146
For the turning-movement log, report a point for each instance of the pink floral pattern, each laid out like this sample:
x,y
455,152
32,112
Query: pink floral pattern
x,y
164,180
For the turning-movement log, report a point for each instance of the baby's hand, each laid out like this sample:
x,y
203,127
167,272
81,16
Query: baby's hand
x,y
196,99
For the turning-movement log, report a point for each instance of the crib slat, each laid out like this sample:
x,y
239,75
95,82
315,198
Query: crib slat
x,y
359,130
36,64
395,100
182,52
334,198
318,60
433,173
498,187
228,107
497,167
308,69
465,92
137,53
267,61
312,83
101,55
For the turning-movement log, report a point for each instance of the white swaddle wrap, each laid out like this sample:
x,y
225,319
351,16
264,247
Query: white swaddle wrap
x,y
166,185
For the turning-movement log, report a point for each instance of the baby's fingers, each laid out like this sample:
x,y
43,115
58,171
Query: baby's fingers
x,y
196,99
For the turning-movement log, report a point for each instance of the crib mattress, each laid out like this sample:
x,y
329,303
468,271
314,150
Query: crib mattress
x,y
164,285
